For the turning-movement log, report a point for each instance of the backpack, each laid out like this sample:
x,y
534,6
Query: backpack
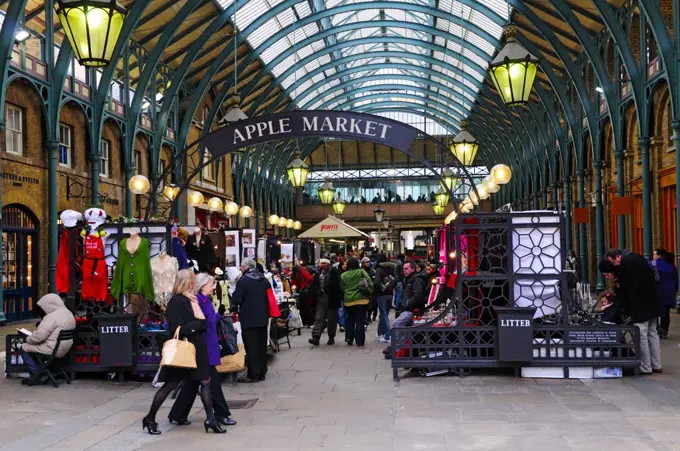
x,y
388,283
226,336
364,287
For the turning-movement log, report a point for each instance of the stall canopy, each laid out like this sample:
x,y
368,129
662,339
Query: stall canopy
x,y
332,227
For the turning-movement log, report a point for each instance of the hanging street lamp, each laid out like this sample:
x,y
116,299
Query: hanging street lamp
x,y
231,208
379,214
501,174
438,209
92,27
513,71
386,222
290,224
442,197
490,185
339,206
449,180
273,220
298,225
297,172
171,191
282,221
195,198
464,146
327,192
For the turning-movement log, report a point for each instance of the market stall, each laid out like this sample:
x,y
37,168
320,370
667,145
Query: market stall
x,y
512,307
333,228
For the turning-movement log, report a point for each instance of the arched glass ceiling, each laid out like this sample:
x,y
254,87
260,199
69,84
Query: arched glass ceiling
x,y
419,52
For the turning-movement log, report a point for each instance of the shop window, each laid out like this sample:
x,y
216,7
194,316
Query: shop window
x,y
14,142
105,163
209,173
137,162
637,224
64,145
670,219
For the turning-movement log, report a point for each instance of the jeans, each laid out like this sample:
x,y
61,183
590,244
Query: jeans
x,y
341,315
404,320
665,325
325,317
28,360
384,304
397,294
650,348
355,318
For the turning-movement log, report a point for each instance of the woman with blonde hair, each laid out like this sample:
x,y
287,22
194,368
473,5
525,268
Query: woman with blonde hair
x,y
185,313
205,286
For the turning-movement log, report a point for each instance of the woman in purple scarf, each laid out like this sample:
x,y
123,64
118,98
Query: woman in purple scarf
x,y
205,286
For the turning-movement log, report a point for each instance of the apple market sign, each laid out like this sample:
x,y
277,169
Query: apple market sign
x,y
298,124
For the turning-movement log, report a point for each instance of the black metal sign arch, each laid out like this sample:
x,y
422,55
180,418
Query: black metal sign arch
x,y
189,162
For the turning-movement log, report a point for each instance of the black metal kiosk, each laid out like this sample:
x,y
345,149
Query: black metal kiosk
x,y
511,307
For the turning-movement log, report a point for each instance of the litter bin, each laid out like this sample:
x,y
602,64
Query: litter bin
x,y
515,333
118,340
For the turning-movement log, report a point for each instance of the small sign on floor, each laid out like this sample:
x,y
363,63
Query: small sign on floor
x,y
608,373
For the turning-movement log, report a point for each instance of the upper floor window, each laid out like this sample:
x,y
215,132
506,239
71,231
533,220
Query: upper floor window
x,y
105,163
209,173
65,145
14,141
137,162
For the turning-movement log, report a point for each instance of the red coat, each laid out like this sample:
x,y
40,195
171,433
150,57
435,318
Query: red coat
x,y
302,280
64,262
95,278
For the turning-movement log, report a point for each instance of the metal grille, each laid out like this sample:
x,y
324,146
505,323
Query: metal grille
x,y
16,218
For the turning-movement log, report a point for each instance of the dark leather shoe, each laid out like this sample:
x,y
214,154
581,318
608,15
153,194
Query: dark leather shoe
x,y
227,421
247,380
314,341
331,341
179,422
387,350
659,371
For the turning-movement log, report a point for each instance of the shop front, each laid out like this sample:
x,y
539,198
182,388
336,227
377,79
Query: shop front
x,y
20,260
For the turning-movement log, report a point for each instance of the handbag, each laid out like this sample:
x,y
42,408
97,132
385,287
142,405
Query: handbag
x,y
274,310
179,353
364,287
226,336
233,363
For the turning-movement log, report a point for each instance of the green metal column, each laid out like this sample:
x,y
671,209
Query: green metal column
x,y
620,192
676,129
94,172
128,194
3,319
599,221
582,231
52,231
646,198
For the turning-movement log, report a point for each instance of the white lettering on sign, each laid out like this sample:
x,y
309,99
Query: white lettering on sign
x,y
515,323
260,129
308,126
115,329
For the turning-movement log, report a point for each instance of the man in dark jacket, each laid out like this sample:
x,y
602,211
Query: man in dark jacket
x,y
414,298
383,288
252,300
200,248
639,300
326,290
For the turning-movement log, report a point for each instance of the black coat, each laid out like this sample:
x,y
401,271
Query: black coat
x,y
333,287
415,295
637,283
251,297
180,314
202,252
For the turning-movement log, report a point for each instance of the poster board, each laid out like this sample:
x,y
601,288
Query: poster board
x,y
232,248
249,241
286,254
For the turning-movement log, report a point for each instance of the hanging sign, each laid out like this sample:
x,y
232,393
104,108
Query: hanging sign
x,y
338,124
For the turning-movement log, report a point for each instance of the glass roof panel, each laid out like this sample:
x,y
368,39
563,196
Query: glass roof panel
x,y
412,34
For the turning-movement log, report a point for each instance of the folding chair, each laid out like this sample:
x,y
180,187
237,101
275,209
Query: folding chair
x,y
45,362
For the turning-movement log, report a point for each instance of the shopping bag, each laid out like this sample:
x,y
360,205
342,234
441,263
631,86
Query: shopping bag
x,y
226,336
274,310
178,353
233,363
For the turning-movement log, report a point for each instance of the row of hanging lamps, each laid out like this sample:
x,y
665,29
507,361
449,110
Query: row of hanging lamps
x,y
231,208
339,206
481,192
245,212
195,198
297,225
282,221
92,27
490,185
513,71
215,204
139,184
274,220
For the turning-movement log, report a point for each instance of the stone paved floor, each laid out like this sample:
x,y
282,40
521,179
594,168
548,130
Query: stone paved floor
x,y
343,398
